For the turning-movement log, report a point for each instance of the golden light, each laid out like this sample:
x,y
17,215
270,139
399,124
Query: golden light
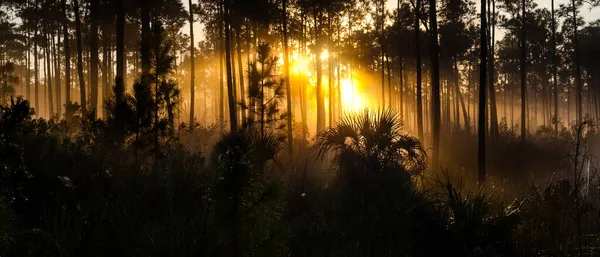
x,y
352,99
299,66
325,55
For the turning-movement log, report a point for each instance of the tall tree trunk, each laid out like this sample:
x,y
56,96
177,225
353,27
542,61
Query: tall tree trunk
x,y
192,68
435,82
145,49
320,97
238,40
389,75
28,65
48,71
482,98
460,98
36,63
220,91
523,72
79,56
418,70
401,84
288,90
329,68
230,88
57,79
492,89
120,55
381,7
578,83
105,67
94,55
302,88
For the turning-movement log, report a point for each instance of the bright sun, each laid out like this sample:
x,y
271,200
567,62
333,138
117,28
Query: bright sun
x,y
352,99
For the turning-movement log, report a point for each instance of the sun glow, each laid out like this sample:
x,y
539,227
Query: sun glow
x,y
325,55
353,100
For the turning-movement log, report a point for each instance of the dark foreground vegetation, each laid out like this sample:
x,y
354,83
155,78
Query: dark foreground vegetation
x,y
76,186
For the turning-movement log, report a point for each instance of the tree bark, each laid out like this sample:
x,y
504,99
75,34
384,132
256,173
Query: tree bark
x,y
230,88
120,55
145,49
523,73
288,90
320,97
578,83
435,82
94,55
192,68
492,89
57,79
418,70
79,56
482,98
48,70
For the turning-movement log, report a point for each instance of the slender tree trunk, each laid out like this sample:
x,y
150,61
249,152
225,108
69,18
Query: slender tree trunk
x,y
329,68
302,88
57,72
320,97
482,98
220,88
523,72
492,89
48,70
230,87
94,55
418,70
28,64
192,68
288,90
578,83
435,82
389,75
105,67
145,49
241,72
459,95
120,55
36,64
79,56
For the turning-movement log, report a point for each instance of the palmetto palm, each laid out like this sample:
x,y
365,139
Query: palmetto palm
x,y
372,142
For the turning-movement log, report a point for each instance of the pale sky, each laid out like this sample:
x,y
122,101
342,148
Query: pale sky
x,y
588,14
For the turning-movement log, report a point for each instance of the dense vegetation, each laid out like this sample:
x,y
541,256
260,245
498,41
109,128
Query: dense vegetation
x,y
298,128
74,187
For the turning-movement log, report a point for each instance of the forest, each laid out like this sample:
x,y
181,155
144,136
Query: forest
x,y
299,128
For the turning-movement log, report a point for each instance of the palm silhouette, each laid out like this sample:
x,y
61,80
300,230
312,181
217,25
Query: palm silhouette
x,y
370,143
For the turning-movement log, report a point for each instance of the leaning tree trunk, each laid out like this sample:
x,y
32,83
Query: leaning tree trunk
x,y
79,56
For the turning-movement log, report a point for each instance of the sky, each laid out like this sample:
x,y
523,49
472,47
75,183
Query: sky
x,y
587,13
